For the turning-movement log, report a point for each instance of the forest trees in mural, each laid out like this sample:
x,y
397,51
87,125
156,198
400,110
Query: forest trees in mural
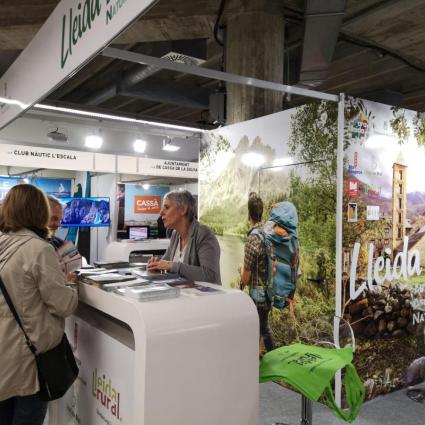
x,y
384,243
309,135
313,143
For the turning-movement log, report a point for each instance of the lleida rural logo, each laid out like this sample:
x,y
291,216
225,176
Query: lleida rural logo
x,y
105,393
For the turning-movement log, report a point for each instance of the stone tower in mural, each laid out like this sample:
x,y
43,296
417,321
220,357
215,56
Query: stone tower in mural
x,y
399,201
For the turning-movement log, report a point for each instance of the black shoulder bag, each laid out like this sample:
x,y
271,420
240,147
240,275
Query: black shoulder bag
x,y
57,368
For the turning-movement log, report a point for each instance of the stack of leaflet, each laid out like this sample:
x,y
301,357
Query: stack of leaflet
x,y
111,264
100,277
149,291
124,284
153,275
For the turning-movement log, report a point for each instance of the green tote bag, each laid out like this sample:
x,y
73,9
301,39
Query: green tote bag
x,y
310,370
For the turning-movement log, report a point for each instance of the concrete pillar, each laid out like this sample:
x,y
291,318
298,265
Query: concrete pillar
x,y
254,47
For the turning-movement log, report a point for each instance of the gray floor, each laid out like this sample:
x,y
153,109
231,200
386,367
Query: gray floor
x,y
277,404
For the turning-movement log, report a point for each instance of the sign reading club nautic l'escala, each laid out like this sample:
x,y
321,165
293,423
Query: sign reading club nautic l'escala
x,y
33,156
73,34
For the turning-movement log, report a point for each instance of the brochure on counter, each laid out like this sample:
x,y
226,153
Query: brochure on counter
x,y
149,291
143,285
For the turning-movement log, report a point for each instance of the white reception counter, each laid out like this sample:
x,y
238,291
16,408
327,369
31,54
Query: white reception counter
x,y
184,361
121,251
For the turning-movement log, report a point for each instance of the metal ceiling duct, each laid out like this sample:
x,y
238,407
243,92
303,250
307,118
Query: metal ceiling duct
x,y
323,20
190,51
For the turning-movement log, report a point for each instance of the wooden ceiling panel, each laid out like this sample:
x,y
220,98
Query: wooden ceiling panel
x,y
361,7
370,84
361,72
134,106
393,24
163,29
25,12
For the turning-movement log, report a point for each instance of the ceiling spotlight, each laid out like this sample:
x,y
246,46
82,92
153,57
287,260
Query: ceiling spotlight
x,y
57,135
168,146
253,159
146,186
139,146
93,141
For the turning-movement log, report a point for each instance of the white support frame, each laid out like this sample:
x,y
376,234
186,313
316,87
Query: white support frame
x,y
238,79
339,235
128,56
254,82
339,206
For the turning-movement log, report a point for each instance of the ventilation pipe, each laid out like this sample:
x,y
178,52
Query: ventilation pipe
x,y
323,20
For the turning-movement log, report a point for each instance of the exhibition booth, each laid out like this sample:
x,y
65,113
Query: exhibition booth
x,y
136,358
352,168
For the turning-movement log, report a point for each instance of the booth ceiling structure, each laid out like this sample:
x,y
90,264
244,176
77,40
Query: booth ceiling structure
x,y
371,49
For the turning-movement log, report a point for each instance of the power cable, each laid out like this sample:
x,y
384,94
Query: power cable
x,y
349,38
217,23
363,43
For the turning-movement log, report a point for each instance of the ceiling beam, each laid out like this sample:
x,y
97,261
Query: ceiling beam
x,y
210,73
171,93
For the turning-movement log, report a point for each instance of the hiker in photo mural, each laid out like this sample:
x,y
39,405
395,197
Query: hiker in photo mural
x,y
271,260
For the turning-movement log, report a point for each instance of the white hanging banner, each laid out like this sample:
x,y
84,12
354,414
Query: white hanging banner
x,y
62,159
33,156
165,167
74,33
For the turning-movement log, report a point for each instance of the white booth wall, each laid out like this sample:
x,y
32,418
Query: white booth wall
x,y
104,185
191,187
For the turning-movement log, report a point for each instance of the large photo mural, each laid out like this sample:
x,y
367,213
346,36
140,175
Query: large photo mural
x,y
288,156
384,243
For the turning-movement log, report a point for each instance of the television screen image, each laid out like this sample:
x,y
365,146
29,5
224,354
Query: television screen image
x,y
85,212
139,233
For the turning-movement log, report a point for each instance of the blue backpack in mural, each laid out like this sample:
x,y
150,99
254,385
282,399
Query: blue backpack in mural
x,y
280,238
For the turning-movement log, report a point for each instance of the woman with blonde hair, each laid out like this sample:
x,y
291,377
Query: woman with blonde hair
x,y
31,274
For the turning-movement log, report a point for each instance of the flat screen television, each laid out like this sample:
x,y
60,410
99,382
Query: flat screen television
x,y
85,212
138,232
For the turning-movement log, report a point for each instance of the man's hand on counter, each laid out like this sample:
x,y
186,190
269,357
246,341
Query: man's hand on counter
x,y
155,263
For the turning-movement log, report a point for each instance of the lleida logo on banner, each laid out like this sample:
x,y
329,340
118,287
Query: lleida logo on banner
x,y
74,33
144,204
380,270
406,264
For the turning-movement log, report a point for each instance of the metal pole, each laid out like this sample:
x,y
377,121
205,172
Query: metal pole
x,y
306,411
338,253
